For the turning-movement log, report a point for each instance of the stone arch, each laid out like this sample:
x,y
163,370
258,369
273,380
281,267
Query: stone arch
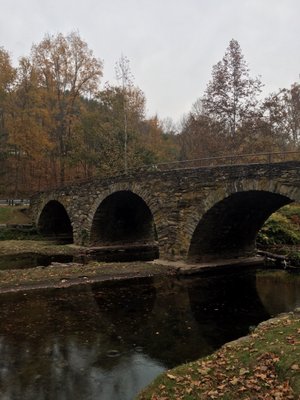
x,y
231,218
123,216
54,221
149,198
123,219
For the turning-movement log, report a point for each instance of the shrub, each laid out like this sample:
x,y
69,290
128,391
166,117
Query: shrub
x,y
281,228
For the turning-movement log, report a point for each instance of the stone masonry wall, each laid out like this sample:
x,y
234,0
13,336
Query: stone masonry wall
x,y
177,199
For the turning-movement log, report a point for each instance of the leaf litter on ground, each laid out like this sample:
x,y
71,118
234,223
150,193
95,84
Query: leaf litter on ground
x,y
262,366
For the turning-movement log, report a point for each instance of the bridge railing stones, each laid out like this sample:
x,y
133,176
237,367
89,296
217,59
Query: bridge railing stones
x,y
217,161
242,159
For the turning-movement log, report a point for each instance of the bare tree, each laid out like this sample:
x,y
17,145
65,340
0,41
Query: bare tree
x,y
125,77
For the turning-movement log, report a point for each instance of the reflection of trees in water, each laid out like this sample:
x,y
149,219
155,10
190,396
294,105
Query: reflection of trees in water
x,y
279,291
176,336
124,309
107,342
59,344
57,347
67,369
156,319
226,305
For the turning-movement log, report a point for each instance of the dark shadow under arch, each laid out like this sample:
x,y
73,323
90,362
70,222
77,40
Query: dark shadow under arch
x,y
230,227
124,219
54,222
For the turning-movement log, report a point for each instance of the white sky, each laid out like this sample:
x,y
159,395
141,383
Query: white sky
x,y
172,44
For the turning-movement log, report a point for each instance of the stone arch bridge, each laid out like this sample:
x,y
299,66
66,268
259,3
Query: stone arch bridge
x,y
193,214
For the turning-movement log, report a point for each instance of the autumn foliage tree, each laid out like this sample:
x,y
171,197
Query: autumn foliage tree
x,y
28,141
230,118
67,71
281,111
58,124
7,78
201,136
157,142
294,111
99,141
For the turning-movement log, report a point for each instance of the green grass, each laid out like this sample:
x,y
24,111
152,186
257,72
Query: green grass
x,y
291,211
265,365
20,234
14,215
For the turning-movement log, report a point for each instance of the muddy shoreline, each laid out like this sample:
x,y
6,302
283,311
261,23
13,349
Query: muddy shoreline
x,y
63,275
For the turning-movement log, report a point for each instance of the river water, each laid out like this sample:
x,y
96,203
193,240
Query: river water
x,y
107,342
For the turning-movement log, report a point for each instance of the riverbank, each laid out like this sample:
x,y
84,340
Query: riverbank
x,y
43,247
66,274
59,274
263,365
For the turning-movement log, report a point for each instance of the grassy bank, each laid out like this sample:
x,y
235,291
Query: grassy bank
x,y
16,219
282,228
14,215
264,365
46,247
19,234
281,233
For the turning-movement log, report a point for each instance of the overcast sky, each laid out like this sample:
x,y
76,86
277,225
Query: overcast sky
x,y
171,44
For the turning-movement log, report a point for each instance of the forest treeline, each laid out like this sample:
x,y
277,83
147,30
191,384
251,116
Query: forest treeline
x,y
58,122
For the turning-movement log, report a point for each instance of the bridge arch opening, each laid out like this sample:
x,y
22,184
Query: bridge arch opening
x,y
230,227
54,222
124,220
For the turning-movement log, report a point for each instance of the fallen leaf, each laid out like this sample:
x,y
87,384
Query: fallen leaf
x,y
213,393
261,376
204,371
221,387
171,376
244,371
234,380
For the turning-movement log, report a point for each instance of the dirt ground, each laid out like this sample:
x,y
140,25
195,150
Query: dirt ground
x,y
46,247
60,275
77,273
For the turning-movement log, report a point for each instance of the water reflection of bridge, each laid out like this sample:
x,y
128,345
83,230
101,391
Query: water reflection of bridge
x,y
93,341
